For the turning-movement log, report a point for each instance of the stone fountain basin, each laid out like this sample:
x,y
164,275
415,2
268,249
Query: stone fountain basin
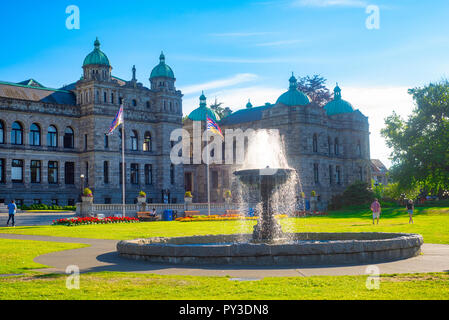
x,y
311,249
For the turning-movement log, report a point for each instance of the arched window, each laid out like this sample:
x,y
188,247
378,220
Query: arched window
x,y
134,102
112,97
52,137
17,134
35,135
148,105
336,147
2,132
105,97
315,143
147,143
69,138
329,145
134,141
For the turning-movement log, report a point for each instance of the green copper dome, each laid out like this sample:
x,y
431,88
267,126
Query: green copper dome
x,y
338,105
96,57
201,113
162,70
294,97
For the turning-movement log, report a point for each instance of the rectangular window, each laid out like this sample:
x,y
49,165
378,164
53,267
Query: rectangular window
x,y
338,174
53,172
215,179
17,171
106,141
107,200
134,173
2,171
225,179
148,174
87,173
69,173
172,174
330,175
85,142
106,172
316,173
121,172
35,171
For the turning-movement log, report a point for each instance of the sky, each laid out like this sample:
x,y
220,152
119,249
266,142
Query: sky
x,y
240,50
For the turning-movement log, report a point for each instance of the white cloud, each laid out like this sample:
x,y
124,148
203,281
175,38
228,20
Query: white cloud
x,y
377,103
330,3
278,43
221,83
241,34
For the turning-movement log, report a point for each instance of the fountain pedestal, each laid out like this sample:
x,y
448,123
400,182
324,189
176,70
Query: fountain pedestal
x,y
267,229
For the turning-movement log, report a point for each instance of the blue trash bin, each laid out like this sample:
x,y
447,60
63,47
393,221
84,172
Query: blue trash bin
x,y
251,212
167,215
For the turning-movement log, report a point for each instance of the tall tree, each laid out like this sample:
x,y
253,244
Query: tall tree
x,y
315,87
421,143
218,109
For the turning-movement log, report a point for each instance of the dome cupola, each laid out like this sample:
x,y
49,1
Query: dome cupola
x,y
96,57
162,70
293,97
338,105
201,113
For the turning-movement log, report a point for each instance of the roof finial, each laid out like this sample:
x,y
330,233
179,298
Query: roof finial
x,y
162,57
337,93
97,43
134,72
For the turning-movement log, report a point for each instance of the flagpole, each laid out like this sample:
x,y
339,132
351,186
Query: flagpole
x,y
208,180
123,165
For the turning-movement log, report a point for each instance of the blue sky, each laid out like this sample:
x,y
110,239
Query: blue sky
x,y
239,50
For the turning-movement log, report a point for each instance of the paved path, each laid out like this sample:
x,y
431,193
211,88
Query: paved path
x,y
101,255
35,218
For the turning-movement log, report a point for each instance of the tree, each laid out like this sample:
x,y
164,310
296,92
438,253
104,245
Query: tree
x,y
315,88
421,143
218,109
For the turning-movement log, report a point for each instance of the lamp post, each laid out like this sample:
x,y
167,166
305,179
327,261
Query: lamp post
x,y
82,185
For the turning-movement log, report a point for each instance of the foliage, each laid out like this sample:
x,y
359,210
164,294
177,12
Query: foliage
x,y
314,87
394,191
218,109
303,195
87,192
378,190
142,194
44,207
227,194
188,194
421,143
313,193
358,193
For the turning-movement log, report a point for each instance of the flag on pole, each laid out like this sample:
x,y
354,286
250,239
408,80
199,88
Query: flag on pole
x,y
118,120
213,127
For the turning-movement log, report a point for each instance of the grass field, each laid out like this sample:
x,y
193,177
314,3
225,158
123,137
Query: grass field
x,y
430,222
16,256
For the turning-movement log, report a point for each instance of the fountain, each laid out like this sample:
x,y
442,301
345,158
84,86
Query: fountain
x,y
266,172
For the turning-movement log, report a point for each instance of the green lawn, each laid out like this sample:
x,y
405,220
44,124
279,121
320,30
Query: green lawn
x,y
109,286
17,256
431,222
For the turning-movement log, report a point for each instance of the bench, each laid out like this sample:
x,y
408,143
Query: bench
x,y
192,213
233,212
146,216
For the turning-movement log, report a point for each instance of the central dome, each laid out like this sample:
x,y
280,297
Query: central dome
x,y
96,57
162,69
293,97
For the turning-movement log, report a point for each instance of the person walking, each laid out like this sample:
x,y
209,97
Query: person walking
x,y
375,208
410,208
12,211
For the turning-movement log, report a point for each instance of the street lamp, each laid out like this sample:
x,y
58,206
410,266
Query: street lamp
x,y
82,185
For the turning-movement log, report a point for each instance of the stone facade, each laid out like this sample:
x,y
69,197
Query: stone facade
x,y
329,152
87,108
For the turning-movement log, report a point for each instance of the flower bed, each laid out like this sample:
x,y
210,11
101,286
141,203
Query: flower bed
x,y
224,217
90,220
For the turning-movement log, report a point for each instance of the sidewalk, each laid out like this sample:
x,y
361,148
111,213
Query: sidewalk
x,y
35,218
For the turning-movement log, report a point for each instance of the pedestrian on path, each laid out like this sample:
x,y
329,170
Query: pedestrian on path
x,y
375,207
410,209
12,211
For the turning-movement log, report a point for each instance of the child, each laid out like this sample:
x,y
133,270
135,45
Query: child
x,y
410,208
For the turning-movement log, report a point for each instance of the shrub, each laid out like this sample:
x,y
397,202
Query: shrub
x,y
142,194
358,193
188,194
227,194
87,192
313,194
